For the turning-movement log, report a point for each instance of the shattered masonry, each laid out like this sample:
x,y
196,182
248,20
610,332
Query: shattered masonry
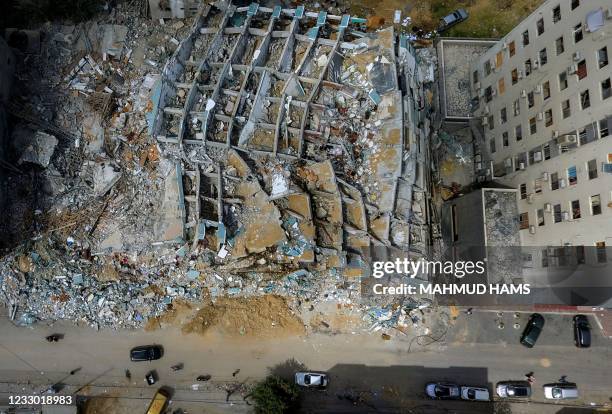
x,y
274,148
316,109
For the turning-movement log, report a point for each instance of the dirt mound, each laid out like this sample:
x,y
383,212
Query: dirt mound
x,y
262,316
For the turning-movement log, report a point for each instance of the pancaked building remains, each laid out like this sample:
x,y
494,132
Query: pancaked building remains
x,y
267,154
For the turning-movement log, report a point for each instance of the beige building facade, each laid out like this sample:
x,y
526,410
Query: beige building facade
x,y
543,98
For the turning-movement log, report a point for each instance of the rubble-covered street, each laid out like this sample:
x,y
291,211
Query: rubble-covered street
x,y
236,154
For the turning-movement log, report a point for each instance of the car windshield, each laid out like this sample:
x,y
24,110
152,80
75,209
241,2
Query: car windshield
x,y
471,394
557,392
442,391
307,379
518,391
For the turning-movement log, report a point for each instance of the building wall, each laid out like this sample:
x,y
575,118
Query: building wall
x,y
583,123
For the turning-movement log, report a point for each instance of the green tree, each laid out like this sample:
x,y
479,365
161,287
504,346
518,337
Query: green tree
x,y
275,395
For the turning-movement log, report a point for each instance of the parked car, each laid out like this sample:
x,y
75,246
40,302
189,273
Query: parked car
x,y
582,331
561,391
442,390
513,389
452,19
159,402
146,353
151,377
311,379
532,330
475,394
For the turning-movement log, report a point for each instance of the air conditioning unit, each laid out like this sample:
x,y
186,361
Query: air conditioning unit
x,y
547,207
609,13
504,45
540,116
477,86
537,156
493,91
481,92
521,75
536,64
572,69
577,56
478,166
544,176
486,110
521,165
532,229
567,139
565,216
523,93
485,121
555,134
530,198
508,162
562,183
538,89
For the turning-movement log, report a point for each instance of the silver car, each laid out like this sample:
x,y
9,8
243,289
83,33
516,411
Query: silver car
x,y
513,389
311,379
474,394
561,391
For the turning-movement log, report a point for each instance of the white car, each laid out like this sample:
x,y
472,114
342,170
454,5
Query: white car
x,y
474,394
311,379
561,391
442,390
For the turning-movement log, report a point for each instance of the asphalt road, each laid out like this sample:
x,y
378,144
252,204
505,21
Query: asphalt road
x,y
367,374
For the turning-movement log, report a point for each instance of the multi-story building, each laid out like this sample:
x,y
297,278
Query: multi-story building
x,y
543,101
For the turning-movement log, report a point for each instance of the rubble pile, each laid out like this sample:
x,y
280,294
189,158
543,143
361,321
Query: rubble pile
x,y
242,151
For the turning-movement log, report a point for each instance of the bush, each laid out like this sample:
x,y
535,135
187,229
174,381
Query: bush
x,y
275,395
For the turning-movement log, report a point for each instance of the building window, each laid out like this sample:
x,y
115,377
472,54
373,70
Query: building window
x,y
580,259
515,76
575,3
533,128
528,67
601,252
557,14
512,48
557,213
576,209
554,181
487,68
518,133
543,57
540,26
546,150
595,205
605,89
516,107
572,177
592,169
559,45
546,90
566,109
475,78
505,140
499,59
523,190
524,221
604,130
585,100
578,33
563,81
602,57
582,70
525,37
530,99
492,145
503,116
501,86
540,214
537,185
545,258
548,116
488,94
491,122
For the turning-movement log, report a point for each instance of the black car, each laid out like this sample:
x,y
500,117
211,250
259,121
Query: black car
x,y
582,331
146,353
514,389
532,330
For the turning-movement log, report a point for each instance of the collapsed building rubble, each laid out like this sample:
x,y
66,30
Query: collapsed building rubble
x,y
259,150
